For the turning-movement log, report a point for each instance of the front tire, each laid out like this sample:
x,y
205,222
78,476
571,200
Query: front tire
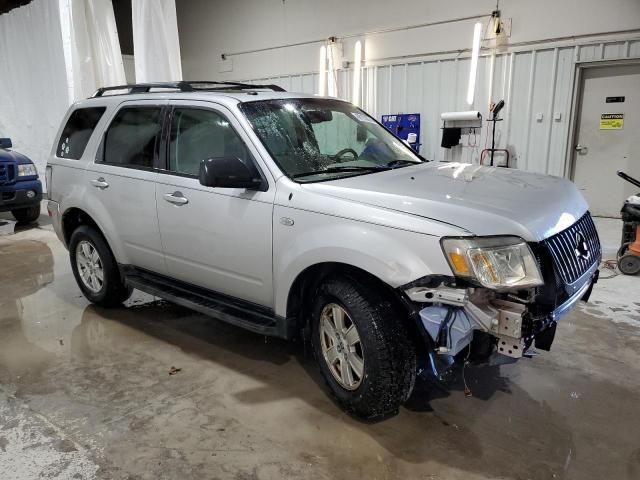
x,y
27,215
95,269
362,348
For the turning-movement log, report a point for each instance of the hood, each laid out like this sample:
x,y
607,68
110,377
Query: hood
x,y
13,156
480,200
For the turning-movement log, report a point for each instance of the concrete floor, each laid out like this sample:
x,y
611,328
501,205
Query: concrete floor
x,y
86,393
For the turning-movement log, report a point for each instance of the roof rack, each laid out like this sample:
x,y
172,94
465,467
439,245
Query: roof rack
x,y
185,86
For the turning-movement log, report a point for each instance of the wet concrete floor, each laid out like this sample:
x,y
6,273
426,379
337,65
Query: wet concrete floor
x,y
86,393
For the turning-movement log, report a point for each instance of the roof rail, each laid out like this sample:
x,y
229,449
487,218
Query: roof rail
x,y
185,86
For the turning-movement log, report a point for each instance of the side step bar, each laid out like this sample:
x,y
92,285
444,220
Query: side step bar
x,y
237,312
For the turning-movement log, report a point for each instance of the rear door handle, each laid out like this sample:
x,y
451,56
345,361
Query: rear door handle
x,y
100,183
176,198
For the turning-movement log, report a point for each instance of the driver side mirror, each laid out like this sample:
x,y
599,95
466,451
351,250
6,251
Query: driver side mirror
x,y
229,172
5,143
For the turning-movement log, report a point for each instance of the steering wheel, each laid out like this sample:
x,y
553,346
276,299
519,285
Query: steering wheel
x,y
338,156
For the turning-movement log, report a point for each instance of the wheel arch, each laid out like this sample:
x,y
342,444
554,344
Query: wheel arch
x,y
301,294
75,217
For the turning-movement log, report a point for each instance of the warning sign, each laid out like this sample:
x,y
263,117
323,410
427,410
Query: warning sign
x,y
611,121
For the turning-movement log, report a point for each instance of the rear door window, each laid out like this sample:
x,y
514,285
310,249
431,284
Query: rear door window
x,y
77,132
133,137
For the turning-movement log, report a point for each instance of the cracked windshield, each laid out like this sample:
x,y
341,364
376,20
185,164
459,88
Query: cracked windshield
x,y
315,140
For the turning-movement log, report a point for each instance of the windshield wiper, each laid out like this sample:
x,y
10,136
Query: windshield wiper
x,y
345,168
401,163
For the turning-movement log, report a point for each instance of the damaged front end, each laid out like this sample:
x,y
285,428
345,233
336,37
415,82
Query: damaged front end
x,y
465,315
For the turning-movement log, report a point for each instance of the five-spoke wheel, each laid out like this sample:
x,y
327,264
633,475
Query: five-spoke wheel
x,y
362,346
341,346
89,266
95,269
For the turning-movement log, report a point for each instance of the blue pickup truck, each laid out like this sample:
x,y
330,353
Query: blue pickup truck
x,y
20,189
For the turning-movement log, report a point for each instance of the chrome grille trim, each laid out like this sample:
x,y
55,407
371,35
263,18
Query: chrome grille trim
x,y
562,248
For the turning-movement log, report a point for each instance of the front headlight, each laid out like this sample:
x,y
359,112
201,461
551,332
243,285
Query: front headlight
x,y
499,263
27,170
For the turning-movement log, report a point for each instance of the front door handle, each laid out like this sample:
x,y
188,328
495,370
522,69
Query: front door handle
x,y
582,149
100,183
176,198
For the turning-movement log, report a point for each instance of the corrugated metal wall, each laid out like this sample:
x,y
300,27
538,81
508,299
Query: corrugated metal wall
x,y
536,85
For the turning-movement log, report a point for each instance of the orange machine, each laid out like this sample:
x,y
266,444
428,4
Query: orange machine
x,y
629,253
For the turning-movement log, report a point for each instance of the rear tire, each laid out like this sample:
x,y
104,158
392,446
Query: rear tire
x,y
28,214
383,353
95,269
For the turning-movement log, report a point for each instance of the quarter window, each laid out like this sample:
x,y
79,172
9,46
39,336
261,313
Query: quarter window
x,y
132,137
198,134
77,132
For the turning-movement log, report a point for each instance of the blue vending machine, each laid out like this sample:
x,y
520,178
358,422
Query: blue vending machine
x,y
405,126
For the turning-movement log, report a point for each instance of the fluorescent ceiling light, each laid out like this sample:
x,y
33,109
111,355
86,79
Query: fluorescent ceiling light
x,y
357,68
322,81
331,72
473,70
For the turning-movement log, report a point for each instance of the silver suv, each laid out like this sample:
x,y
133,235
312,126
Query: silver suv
x,y
302,217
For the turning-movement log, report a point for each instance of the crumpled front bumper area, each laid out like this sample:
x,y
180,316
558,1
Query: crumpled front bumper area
x,y
452,315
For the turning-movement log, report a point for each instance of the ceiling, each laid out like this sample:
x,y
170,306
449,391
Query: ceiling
x,y
122,11
6,5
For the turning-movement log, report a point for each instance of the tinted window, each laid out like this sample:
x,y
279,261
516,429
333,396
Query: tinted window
x,y
77,132
198,134
132,137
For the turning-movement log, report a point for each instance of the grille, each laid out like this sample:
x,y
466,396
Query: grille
x,y
6,173
563,247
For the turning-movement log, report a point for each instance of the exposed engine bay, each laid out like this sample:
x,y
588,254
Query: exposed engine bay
x,y
456,314
459,315
453,318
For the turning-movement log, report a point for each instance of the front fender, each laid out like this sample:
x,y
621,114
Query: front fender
x,y
394,256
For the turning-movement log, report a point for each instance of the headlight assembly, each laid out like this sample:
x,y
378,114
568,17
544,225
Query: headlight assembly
x,y
27,170
500,263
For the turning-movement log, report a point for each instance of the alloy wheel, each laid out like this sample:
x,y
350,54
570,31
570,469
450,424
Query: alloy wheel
x,y
341,346
89,266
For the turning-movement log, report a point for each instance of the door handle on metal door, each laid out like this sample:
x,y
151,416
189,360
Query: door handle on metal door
x,y
176,198
582,149
100,183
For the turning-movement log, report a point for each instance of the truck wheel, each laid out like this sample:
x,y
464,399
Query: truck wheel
x,y
362,348
622,250
95,268
27,215
629,264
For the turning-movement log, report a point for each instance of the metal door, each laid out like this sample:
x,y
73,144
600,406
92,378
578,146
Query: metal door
x,y
607,136
217,238
122,199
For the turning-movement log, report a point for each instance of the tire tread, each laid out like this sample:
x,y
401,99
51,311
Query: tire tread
x,y
116,290
27,214
394,352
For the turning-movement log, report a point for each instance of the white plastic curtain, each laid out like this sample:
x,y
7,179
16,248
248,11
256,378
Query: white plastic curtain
x,y
52,53
156,46
93,51
33,81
